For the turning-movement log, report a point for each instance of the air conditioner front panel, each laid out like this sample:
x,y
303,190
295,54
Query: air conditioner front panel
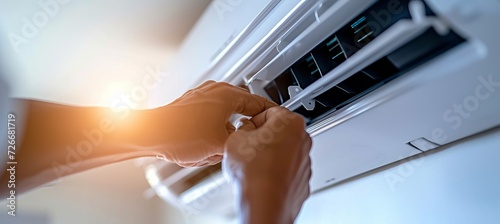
x,y
424,102
376,129
412,107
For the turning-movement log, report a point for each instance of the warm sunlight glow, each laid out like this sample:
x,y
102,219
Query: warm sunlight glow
x,y
114,94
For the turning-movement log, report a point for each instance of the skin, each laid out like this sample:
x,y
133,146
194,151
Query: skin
x,y
60,140
268,160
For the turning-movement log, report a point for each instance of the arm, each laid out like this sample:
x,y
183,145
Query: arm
x,y
60,140
268,159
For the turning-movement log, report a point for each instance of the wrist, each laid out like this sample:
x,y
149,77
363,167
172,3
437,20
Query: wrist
x,y
264,202
140,128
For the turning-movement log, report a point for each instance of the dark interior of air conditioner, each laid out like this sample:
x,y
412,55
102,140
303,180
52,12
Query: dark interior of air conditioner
x,y
348,40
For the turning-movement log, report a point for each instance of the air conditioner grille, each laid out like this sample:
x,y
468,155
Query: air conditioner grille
x,y
342,44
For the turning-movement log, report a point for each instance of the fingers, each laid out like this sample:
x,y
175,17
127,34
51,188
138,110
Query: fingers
x,y
230,128
261,118
247,125
249,104
238,99
214,159
279,114
241,101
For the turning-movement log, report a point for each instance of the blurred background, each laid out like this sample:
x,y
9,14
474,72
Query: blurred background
x,y
91,50
90,53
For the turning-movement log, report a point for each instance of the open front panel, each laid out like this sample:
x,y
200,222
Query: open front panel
x,y
344,43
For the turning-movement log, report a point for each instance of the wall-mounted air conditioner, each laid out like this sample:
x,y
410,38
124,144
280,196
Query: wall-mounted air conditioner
x,y
377,81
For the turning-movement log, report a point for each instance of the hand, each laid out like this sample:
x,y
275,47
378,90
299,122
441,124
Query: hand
x,y
198,122
268,158
60,140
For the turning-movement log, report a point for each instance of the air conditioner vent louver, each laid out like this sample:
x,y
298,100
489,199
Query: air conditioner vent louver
x,y
382,71
330,54
341,45
278,88
306,71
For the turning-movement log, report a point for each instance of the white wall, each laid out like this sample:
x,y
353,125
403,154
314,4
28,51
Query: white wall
x,y
176,216
459,183
108,195
90,53
111,194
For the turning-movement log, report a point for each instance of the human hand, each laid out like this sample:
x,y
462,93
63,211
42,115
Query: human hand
x,y
198,122
268,159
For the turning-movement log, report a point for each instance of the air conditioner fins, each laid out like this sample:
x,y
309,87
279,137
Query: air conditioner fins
x,y
337,48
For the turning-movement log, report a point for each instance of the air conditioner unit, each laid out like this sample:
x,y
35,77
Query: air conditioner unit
x,y
377,81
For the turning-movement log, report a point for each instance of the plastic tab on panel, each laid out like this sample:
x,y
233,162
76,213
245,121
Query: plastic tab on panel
x,y
423,144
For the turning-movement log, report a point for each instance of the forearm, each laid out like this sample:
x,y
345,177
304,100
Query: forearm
x,y
261,204
59,140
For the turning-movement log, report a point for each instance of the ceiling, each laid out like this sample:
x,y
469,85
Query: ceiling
x,y
87,52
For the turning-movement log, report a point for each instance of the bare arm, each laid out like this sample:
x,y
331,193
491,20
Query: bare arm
x,y
60,140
